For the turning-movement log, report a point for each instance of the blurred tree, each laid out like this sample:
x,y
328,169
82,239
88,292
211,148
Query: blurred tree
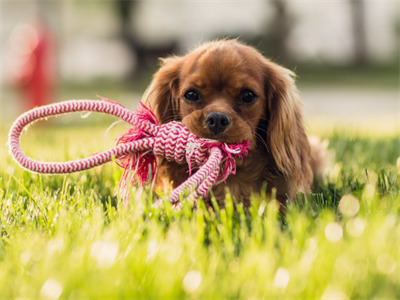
x,y
359,32
145,55
274,40
396,30
124,10
281,27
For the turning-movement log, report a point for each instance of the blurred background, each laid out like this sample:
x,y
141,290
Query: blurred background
x,y
345,53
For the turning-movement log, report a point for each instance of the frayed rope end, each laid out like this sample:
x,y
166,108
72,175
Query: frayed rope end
x,y
140,166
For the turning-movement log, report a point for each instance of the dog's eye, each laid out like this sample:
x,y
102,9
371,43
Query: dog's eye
x,y
192,96
247,96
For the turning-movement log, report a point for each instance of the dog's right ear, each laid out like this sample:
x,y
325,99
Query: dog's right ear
x,y
162,94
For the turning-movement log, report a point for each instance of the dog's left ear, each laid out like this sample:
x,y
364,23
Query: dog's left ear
x,y
161,96
286,137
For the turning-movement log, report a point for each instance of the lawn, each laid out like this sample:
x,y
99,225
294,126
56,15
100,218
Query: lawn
x,y
71,237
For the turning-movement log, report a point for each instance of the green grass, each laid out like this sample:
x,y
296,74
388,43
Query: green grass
x,y
70,237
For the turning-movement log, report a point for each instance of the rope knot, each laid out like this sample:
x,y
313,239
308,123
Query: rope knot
x,y
175,142
170,142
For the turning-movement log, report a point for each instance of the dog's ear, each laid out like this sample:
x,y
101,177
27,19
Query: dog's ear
x,y
286,137
161,96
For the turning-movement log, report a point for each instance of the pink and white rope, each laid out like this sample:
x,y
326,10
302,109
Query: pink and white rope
x,y
172,141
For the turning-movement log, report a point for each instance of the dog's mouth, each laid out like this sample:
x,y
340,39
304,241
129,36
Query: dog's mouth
x,y
236,132
227,137
219,139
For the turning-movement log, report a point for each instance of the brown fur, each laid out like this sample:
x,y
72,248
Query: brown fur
x,y
219,71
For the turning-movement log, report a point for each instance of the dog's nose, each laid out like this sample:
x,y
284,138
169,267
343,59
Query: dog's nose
x,y
217,122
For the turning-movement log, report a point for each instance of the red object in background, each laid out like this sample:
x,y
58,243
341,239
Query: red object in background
x,y
35,78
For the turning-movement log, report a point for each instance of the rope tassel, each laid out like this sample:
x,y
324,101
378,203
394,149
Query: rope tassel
x,y
136,150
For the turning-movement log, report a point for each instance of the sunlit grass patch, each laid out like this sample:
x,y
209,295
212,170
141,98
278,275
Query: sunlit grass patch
x,y
71,237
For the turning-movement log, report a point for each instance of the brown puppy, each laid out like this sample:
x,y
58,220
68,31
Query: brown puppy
x,y
227,91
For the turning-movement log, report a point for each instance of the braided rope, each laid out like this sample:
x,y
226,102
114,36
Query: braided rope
x,y
172,141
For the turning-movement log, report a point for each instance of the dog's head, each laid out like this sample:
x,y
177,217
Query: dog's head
x,y
227,91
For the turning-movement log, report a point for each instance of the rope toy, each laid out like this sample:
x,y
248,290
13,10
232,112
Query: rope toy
x,y
136,150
